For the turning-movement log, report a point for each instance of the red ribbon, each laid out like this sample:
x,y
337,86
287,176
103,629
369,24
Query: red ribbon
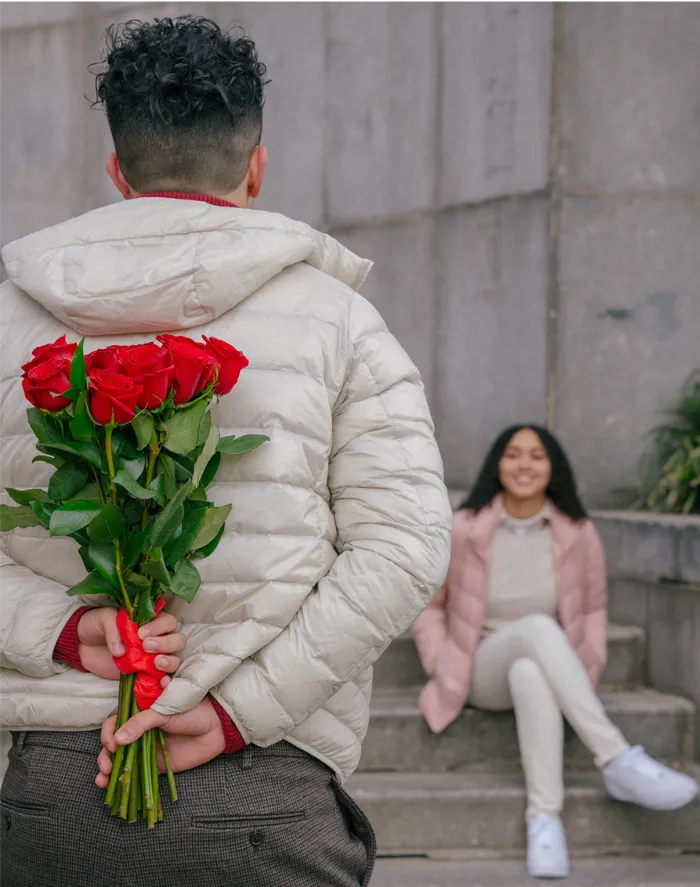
x,y
136,660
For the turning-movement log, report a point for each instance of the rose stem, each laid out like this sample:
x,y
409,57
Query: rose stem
x,y
128,769
146,774
113,490
154,775
134,797
126,777
154,450
126,685
116,801
168,765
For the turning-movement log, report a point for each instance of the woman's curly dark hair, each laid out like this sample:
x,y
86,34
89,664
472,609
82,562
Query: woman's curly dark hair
x,y
562,489
184,102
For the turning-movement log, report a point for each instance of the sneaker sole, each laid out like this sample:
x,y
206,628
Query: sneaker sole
x,y
620,795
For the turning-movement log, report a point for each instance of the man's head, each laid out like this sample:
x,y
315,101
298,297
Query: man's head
x,y
184,103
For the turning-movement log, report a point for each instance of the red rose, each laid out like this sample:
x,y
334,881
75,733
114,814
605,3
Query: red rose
x,y
152,367
104,359
113,397
194,368
230,362
47,375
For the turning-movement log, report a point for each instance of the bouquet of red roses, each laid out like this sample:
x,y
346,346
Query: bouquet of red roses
x,y
129,432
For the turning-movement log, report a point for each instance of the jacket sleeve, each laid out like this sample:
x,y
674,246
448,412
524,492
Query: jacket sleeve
x,y
393,521
596,602
34,613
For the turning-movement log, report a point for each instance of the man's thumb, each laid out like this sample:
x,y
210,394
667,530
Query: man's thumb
x,y
115,645
135,727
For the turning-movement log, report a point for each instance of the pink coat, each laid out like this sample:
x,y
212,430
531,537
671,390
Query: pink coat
x,y
448,631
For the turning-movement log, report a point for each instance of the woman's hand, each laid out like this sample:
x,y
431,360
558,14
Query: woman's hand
x,y
99,641
195,737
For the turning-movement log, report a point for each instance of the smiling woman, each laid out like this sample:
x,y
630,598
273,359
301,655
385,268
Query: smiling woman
x,y
524,613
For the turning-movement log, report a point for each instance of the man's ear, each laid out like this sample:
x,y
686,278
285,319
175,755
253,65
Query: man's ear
x,y
117,176
256,171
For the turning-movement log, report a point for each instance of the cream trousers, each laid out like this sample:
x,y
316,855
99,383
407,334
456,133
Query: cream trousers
x,y
530,666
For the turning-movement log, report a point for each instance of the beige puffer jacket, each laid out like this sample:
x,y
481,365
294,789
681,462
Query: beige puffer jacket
x,y
340,527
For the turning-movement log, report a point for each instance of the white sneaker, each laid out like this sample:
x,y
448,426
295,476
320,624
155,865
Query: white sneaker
x,y
547,856
638,779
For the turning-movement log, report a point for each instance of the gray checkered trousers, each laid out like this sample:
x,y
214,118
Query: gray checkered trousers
x,y
273,817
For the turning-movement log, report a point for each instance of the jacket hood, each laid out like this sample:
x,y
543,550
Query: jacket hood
x,y
158,263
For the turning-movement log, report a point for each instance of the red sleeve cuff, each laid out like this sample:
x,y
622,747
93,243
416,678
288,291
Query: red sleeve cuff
x,y
234,741
67,649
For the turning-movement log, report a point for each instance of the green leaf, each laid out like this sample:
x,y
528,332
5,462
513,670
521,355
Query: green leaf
x,y
199,496
108,525
207,453
81,425
183,429
167,468
89,492
155,566
238,446
146,611
125,480
143,425
11,518
24,497
182,544
46,429
93,583
43,512
78,375
170,518
134,547
57,462
206,550
67,481
185,581
87,450
72,516
157,489
204,429
213,523
209,472
101,556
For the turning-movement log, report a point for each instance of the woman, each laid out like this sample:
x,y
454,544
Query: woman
x,y
520,623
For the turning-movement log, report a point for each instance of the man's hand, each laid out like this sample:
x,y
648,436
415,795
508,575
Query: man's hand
x,y
99,642
195,737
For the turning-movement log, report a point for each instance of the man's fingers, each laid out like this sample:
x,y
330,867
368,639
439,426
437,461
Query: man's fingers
x,y
164,623
107,734
167,643
135,727
115,645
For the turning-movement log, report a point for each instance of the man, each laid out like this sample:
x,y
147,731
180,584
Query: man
x,y
340,524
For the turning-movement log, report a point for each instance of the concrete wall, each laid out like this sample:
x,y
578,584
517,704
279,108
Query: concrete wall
x,y
526,178
654,574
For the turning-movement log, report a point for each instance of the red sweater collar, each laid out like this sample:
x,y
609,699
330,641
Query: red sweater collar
x,y
203,198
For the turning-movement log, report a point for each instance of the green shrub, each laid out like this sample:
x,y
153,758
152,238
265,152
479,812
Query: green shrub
x,y
671,468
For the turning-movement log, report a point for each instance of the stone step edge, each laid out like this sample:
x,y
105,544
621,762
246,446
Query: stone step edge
x,y
658,870
401,702
583,784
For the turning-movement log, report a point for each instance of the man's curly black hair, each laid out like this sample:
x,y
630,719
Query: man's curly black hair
x,y
184,103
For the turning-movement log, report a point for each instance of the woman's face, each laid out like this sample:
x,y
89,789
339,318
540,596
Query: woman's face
x,y
525,469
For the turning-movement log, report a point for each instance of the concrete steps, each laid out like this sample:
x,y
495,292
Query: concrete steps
x,y
400,667
664,871
399,740
483,813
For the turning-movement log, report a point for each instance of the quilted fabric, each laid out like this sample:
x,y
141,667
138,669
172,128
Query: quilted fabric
x,y
339,533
